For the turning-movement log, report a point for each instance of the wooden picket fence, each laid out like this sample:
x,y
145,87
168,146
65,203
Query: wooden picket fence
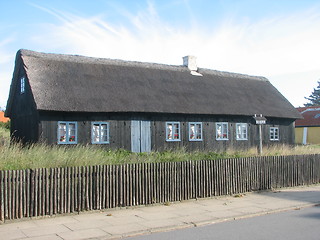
x,y
40,192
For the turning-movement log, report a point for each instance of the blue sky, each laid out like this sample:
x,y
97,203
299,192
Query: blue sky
x,y
278,39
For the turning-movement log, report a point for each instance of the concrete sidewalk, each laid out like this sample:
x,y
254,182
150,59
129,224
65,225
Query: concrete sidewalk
x,y
118,223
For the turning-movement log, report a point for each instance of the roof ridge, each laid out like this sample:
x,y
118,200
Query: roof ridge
x,y
232,74
98,60
121,62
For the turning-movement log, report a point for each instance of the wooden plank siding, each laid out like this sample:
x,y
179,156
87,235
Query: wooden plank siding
x,y
25,118
42,192
120,131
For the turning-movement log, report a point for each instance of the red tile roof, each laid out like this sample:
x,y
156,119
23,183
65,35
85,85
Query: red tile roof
x,y
3,118
311,116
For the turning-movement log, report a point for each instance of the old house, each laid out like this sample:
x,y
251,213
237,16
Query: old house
x,y
64,99
307,130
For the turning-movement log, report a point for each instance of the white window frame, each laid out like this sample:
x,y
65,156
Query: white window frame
x,y
173,130
274,134
196,132
67,133
243,134
224,125
93,141
22,85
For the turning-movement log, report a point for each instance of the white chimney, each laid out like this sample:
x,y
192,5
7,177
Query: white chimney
x,y
190,62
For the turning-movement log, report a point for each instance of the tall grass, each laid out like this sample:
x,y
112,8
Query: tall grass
x,y
41,155
4,135
15,156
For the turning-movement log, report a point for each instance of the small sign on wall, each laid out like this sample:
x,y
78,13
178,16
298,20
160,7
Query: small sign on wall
x,y
260,120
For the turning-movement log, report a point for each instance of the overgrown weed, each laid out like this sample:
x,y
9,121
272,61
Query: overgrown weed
x,y
16,156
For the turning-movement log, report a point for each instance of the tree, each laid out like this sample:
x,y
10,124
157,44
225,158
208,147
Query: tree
x,y
314,98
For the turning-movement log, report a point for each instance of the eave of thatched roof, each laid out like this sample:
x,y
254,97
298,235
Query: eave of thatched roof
x,y
81,84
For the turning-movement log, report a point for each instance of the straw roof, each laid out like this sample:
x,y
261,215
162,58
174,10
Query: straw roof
x,y
82,84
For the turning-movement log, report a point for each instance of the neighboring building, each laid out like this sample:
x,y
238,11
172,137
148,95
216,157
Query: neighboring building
x,y
64,99
308,128
3,118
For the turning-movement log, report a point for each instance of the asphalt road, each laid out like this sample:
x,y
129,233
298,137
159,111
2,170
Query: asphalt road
x,y
300,224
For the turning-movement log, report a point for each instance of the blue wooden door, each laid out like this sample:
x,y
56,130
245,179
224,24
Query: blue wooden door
x,y
140,136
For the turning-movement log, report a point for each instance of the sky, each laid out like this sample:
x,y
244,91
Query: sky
x,y
277,39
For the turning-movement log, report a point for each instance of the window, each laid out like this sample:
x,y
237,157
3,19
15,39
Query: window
x,y
67,133
221,131
173,131
274,134
242,133
22,85
195,131
100,132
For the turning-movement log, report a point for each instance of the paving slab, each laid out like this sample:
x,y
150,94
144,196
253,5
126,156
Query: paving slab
x,y
17,225
12,234
124,211
252,209
191,219
188,210
57,220
164,223
45,230
83,234
160,215
115,221
130,229
87,225
47,237
92,216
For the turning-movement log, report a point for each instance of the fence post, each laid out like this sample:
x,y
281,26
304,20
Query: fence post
x,y
2,196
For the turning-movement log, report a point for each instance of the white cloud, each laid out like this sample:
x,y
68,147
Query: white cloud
x,y
272,46
296,86
283,45
6,63
5,57
4,89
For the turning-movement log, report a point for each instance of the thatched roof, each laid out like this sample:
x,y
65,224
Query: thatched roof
x,y
82,84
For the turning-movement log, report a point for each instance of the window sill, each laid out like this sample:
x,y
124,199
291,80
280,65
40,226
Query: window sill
x,y
67,143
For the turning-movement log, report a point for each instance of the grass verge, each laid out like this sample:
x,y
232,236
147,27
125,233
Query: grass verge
x,y
43,156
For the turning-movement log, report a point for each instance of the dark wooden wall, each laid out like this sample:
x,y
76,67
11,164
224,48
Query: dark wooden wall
x,y
120,134
24,118
286,134
120,131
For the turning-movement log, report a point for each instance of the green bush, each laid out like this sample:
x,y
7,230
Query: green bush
x,y
5,125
